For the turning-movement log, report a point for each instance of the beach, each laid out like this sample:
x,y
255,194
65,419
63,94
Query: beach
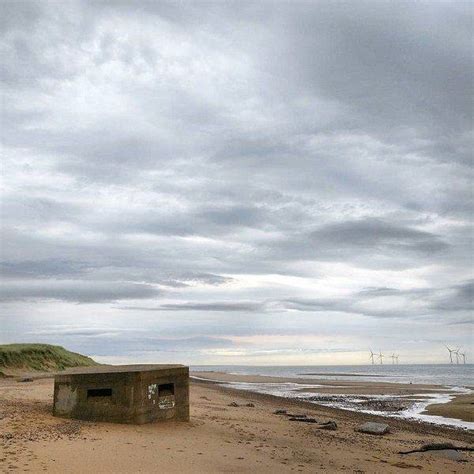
x,y
230,431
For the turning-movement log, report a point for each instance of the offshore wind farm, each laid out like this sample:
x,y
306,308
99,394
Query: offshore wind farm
x,y
458,359
380,357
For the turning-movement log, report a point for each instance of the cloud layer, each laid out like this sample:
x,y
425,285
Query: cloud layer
x,y
232,176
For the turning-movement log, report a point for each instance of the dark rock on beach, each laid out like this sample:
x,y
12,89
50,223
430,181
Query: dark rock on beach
x,y
450,454
373,428
329,425
304,419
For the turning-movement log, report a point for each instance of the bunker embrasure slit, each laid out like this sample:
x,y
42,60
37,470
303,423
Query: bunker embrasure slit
x,y
99,392
165,389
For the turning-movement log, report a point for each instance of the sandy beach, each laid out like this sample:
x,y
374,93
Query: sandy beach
x,y
220,437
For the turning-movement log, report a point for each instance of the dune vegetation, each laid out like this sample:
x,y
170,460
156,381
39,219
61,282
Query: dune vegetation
x,y
39,358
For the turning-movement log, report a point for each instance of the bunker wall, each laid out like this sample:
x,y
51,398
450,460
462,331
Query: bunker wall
x,y
124,397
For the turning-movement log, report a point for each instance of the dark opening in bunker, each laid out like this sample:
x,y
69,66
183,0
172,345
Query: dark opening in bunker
x,y
99,392
165,389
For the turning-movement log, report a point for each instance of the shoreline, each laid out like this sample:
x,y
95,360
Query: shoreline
x,y
433,404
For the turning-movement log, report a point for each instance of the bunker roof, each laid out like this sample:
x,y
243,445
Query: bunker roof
x,y
108,369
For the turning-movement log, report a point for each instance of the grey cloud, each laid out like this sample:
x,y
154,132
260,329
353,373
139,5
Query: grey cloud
x,y
462,322
234,215
378,291
75,291
212,220
211,306
460,297
369,242
451,299
316,305
382,69
206,278
115,339
43,268
37,210
376,234
186,280
412,304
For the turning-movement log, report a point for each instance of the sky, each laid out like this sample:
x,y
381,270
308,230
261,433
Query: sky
x,y
261,183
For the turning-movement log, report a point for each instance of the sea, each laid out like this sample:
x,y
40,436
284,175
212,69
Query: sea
x,y
455,379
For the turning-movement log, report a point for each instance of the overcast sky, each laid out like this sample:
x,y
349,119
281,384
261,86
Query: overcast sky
x,y
237,183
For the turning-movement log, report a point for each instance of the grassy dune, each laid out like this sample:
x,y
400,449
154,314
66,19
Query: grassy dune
x,y
39,357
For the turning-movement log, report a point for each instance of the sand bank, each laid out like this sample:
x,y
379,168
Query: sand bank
x,y
461,407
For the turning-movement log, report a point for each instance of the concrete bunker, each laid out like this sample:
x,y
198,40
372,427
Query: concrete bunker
x,y
123,393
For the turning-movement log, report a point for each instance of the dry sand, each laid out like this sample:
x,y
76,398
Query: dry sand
x,y
219,439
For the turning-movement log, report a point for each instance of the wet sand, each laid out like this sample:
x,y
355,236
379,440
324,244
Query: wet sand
x,y
329,386
460,408
219,438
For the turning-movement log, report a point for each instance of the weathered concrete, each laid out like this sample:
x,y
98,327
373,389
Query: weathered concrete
x,y
123,394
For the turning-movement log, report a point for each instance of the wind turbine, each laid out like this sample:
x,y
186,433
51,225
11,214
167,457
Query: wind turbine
x,y
457,355
381,356
371,357
393,357
463,355
396,357
450,354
